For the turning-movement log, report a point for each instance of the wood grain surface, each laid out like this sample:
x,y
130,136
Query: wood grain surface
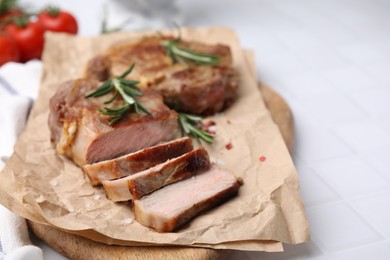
x,y
77,247
281,114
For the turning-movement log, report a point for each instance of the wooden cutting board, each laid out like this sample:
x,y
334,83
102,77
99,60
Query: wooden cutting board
x,y
77,247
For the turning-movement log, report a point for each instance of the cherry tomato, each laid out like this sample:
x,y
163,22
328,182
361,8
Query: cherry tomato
x,y
29,38
56,20
9,50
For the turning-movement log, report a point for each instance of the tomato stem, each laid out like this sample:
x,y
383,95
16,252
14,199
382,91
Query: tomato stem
x,y
6,6
21,21
53,10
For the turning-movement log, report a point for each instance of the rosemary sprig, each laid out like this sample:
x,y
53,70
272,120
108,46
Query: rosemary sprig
x,y
127,89
178,54
104,27
191,125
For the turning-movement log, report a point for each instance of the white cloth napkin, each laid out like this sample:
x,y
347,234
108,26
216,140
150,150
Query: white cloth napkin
x,y
18,88
142,14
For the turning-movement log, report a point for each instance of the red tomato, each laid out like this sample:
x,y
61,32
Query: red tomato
x,y
29,38
9,50
56,20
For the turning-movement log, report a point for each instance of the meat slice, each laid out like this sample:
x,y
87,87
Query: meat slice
x,y
187,87
80,132
137,161
142,183
172,206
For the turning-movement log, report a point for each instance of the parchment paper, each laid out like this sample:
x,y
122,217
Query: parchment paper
x,y
39,185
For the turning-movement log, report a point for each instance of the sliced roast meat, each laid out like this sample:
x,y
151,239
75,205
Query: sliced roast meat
x,y
80,132
142,183
137,161
187,87
172,206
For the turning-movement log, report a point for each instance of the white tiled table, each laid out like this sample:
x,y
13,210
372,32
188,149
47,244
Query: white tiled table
x,y
330,59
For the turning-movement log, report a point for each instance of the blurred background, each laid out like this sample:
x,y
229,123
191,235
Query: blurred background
x,y
330,60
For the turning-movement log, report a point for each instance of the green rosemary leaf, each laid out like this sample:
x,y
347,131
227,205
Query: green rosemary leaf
x,y
117,114
113,111
190,125
115,119
207,59
193,117
127,72
127,89
113,98
104,89
168,49
201,134
129,99
138,108
183,124
143,108
130,82
132,92
178,54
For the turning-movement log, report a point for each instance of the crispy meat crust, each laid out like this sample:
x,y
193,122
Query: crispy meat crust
x,y
186,87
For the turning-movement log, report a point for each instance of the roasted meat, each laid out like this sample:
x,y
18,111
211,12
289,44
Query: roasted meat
x,y
80,132
137,185
186,87
172,206
137,161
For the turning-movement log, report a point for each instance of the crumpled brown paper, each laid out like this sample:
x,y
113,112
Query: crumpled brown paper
x,y
41,186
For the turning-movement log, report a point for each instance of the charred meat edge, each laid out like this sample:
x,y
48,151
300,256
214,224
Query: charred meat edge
x,y
163,223
137,185
137,161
